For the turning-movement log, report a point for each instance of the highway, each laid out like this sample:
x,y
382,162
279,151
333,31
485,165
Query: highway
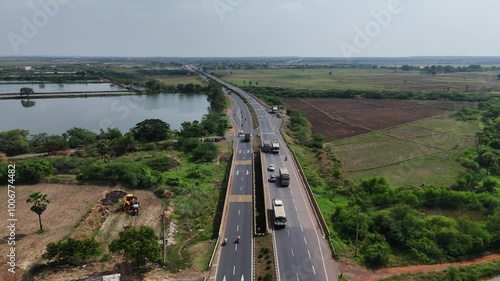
x,y
301,250
235,260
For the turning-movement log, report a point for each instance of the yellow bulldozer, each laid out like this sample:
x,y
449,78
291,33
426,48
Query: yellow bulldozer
x,y
130,204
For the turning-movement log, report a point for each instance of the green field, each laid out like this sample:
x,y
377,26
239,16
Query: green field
x,y
167,79
422,152
363,79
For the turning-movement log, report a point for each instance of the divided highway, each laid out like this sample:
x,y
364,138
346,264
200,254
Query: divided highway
x,y
301,251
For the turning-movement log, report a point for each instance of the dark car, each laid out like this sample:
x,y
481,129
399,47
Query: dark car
x,y
272,178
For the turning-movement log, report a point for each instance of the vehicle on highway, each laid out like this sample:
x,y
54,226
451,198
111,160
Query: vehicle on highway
x,y
275,147
284,177
248,137
279,213
266,146
272,178
271,167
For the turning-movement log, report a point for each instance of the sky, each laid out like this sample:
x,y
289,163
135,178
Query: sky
x,y
249,28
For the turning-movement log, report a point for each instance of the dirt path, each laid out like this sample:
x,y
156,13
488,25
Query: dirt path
x,y
354,273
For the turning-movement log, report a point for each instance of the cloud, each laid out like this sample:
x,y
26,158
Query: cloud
x,y
294,6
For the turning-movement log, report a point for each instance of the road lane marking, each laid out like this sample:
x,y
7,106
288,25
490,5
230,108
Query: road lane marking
x,y
301,228
237,172
305,240
314,270
239,211
288,232
234,268
293,199
237,228
235,247
247,172
293,255
241,198
309,253
297,277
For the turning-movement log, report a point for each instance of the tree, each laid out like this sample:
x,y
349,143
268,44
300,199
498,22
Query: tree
x,y
139,245
14,142
28,103
498,76
40,202
151,130
79,136
55,143
26,91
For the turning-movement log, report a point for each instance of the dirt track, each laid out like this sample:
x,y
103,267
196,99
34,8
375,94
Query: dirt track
x,y
359,274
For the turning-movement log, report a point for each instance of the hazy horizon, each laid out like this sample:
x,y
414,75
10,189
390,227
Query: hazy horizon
x,y
242,28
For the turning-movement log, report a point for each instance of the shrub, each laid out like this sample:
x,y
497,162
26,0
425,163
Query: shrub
x,y
135,175
161,164
377,254
32,171
72,251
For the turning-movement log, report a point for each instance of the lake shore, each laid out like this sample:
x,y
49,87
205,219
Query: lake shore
x,y
65,95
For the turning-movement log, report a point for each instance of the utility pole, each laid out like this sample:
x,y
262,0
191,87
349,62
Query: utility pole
x,y
357,232
164,237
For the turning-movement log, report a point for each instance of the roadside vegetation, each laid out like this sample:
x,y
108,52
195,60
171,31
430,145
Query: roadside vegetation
x,y
187,173
409,224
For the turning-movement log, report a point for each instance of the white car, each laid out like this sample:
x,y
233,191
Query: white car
x,y
271,167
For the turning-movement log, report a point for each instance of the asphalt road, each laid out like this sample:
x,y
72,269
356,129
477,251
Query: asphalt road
x,y
302,252
236,259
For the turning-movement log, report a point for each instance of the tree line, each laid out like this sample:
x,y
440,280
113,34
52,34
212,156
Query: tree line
x,y
274,94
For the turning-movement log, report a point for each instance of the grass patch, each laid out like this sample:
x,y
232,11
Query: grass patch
x,y
361,79
422,152
196,188
439,169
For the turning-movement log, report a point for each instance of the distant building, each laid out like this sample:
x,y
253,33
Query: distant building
x,y
28,68
136,88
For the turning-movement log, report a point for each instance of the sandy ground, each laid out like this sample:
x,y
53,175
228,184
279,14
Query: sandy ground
x,y
68,205
73,210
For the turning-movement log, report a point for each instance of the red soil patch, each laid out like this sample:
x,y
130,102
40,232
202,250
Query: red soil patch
x,y
341,118
359,274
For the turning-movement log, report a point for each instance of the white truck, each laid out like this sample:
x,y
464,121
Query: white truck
x,y
279,213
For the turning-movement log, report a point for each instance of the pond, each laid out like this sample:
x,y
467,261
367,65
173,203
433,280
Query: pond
x,y
55,116
60,88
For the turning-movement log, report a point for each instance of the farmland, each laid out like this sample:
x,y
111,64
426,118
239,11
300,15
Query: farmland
x,y
341,118
363,79
409,143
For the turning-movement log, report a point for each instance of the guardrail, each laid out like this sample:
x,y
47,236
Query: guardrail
x,y
264,187
314,203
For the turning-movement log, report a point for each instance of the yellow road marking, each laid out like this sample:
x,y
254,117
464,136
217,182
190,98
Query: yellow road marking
x,y
240,198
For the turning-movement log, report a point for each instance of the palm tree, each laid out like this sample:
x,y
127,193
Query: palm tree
x,y
40,204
